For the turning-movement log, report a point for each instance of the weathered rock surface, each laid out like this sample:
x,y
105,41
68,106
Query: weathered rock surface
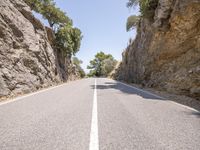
x,y
166,52
27,59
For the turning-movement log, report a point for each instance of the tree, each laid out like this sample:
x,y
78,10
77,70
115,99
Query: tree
x,y
49,11
55,16
132,22
68,40
147,7
108,65
77,62
76,36
92,73
132,3
147,10
34,5
99,65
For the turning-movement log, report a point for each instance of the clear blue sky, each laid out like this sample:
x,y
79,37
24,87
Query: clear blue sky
x,y
103,24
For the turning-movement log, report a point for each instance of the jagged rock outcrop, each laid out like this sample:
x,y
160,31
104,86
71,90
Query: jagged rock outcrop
x,y
166,52
27,59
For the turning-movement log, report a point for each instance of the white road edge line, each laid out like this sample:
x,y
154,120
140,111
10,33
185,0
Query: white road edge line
x,y
94,139
142,90
30,94
187,107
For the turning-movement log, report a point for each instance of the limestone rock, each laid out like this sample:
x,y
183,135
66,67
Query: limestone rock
x,y
27,59
166,53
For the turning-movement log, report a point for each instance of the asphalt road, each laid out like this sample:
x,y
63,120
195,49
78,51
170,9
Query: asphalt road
x,y
108,115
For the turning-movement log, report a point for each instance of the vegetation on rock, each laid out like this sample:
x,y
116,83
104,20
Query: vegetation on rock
x,y
164,54
49,11
68,38
147,10
132,22
147,7
77,62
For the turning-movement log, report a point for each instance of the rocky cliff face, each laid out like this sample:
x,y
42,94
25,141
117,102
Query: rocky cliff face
x,y
166,52
27,59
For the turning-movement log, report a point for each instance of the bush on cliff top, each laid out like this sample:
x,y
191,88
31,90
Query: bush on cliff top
x,y
147,7
132,22
147,10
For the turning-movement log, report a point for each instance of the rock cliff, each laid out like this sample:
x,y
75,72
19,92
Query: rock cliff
x,y
27,60
166,52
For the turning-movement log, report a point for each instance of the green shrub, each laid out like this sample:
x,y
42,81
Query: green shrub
x,y
77,62
132,22
68,40
147,7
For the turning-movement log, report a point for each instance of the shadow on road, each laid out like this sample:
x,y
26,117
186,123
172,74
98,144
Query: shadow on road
x,y
196,114
126,89
134,91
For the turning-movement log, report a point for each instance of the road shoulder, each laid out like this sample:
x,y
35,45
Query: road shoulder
x,y
184,100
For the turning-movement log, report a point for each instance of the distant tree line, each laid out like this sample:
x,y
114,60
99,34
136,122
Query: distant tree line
x,y
101,65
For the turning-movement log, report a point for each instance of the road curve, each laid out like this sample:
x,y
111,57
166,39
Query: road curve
x,y
115,117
